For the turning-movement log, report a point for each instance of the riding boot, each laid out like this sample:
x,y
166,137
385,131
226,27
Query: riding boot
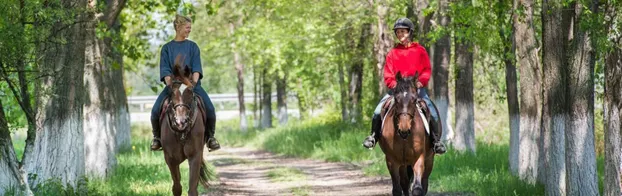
x,y
376,124
211,142
437,146
155,144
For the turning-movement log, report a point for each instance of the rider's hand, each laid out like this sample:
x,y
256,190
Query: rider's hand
x,y
419,85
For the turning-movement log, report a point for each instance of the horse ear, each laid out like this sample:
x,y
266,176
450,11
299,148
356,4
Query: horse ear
x,y
415,79
187,71
398,76
177,70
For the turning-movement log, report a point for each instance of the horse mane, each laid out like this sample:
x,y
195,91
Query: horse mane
x,y
180,73
405,84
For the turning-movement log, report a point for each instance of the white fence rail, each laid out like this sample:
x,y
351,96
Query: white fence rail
x,y
144,102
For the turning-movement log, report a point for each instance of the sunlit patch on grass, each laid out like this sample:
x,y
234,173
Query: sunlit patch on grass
x,y
285,174
302,191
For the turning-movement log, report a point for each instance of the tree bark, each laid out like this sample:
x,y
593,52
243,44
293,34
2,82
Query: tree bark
x,y
529,137
554,85
343,92
59,145
239,68
581,172
106,115
256,99
423,22
511,86
356,75
281,98
266,100
440,71
383,42
465,132
613,117
11,177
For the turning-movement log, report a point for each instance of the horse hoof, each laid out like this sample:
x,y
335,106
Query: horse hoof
x,y
417,191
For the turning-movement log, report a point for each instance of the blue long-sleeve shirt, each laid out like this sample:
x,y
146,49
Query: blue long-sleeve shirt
x,y
186,48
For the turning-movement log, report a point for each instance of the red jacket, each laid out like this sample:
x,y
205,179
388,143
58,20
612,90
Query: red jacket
x,y
407,61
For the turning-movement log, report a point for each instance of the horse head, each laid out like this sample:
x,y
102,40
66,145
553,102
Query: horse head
x,y
182,102
405,96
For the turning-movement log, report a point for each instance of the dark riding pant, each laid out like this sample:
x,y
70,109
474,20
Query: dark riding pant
x,y
209,110
157,106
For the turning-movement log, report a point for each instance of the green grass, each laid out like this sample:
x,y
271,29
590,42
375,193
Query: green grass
x,y
139,171
328,138
286,174
303,190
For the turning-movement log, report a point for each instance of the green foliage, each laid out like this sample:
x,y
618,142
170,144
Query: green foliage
x,y
21,47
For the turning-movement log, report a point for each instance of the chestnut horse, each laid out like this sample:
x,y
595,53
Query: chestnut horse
x,y
182,130
404,141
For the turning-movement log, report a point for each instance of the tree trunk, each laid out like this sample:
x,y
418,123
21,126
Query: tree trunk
x,y
524,36
106,115
356,75
440,71
343,93
613,121
511,86
465,131
239,68
11,176
581,173
256,99
59,145
555,114
266,100
383,41
281,98
423,22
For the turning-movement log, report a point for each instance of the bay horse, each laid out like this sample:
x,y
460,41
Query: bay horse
x,y
182,130
404,141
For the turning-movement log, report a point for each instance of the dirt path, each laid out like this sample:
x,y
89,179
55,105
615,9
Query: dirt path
x,y
244,171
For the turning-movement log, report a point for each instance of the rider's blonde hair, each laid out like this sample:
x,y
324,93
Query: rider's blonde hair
x,y
181,20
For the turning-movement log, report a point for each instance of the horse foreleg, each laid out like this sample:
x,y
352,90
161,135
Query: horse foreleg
x,y
418,170
174,168
429,164
404,180
195,166
394,170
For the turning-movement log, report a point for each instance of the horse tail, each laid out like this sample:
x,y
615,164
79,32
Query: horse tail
x,y
205,174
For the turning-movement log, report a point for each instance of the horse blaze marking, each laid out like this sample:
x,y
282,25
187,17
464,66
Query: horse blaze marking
x,y
182,88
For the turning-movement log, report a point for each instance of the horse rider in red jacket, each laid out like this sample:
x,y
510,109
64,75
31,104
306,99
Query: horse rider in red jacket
x,y
407,58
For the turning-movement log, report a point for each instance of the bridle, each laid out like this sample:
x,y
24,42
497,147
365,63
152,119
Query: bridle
x,y
396,116
191,116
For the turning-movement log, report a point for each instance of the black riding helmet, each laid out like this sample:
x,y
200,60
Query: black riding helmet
x,y
404,23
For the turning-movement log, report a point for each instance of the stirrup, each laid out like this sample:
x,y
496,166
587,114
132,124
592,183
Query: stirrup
x,y
156,144
439,148
369,139
212,144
